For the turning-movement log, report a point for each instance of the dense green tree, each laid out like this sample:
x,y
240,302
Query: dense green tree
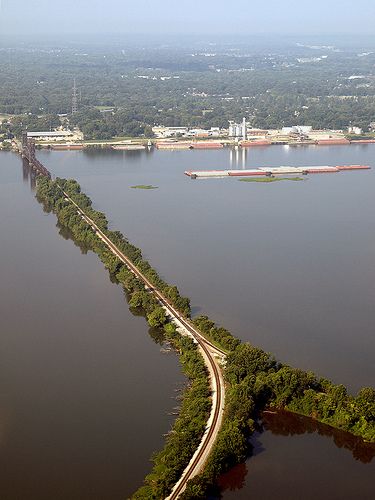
x,y
157,318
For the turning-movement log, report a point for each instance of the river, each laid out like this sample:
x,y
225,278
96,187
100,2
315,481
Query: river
x,y
85,391
287,266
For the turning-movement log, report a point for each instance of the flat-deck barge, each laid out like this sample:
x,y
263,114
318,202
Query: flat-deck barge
x,y
271,171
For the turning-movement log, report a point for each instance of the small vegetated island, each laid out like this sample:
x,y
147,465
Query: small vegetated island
x,y
254,379
144,186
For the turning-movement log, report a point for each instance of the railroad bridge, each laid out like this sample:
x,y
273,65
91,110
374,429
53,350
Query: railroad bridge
x,y
28,153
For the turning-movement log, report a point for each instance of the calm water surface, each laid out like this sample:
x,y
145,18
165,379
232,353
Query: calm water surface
x,y
84,390
287,266
290,463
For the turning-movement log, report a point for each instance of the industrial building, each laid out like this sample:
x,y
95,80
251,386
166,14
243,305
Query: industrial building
x,y
355,130
238,130
60,135
165,132
297,129
168,132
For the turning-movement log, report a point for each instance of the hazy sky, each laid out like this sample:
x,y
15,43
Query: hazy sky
x,y
182,16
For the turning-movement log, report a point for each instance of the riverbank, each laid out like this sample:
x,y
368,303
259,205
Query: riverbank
x,y
142,144
181,144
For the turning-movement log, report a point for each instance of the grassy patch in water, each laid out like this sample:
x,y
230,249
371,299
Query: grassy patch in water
x,y
144,186
271,179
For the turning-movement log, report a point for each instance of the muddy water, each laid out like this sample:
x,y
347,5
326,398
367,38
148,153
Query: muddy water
x,y
296,458
85,391
288,266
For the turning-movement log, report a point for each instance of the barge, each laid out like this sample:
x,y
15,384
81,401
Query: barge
x,y
67,147
206,145
255,143
271,171
173,145
333,142
128,147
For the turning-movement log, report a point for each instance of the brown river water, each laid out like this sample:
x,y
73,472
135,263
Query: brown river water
x,y
85,391
288,266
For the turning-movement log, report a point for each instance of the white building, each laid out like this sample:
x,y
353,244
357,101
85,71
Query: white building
x,y
238,130
297,129
355,130
60,135
165,132
214,132
201,132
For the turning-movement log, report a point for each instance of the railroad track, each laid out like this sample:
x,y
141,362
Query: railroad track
x,y
209,351
209,439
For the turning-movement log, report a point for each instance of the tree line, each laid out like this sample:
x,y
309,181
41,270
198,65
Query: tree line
x,y
257,381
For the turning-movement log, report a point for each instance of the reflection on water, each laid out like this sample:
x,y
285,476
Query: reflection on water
x,y
235,479
29,175
285,423
67,234
294,457
238,158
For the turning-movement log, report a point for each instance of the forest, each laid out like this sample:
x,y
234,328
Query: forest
x,y
126,87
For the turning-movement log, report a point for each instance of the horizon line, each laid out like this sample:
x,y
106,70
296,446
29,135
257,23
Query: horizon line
x,y
190,34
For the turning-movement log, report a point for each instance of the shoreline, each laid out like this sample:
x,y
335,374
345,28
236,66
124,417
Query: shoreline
x,y
145,145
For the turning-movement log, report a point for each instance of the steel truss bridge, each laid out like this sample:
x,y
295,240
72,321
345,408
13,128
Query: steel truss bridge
x,y
28,153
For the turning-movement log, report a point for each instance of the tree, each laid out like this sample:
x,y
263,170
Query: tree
x,y
157,317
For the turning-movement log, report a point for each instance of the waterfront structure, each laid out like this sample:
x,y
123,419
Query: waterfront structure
x,y
355,130
169,132
165,132
238,130
297,129
204,133
59,135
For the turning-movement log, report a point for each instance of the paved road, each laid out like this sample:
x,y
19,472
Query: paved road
x,y
212,355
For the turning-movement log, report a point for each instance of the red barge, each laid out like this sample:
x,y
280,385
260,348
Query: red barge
x,y
272,171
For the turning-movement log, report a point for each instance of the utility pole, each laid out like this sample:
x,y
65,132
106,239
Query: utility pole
x,y
74,99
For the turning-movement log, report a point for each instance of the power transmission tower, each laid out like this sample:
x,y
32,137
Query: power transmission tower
x,y
74,99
